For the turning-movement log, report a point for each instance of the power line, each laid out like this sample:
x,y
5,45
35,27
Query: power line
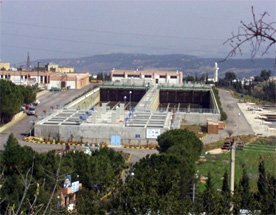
x,y
47,50
110,32
88,42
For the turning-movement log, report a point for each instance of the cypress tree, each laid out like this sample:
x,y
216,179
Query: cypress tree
x,y
245,190
225,183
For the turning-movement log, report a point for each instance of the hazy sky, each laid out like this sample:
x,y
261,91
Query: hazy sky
x,y
64,29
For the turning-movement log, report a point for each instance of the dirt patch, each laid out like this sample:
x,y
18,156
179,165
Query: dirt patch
x,y
200,131
217,151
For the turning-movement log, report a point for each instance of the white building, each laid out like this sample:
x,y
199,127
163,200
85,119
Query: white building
x,y
148,75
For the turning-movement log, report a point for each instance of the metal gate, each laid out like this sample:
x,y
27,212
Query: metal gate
x,y
115,140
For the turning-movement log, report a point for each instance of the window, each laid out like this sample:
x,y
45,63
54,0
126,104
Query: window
x,y
119,75
134,76
147,76
162,76
173,77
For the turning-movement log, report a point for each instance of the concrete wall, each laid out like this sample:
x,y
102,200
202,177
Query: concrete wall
x,y
56,84
15,119
198,118
95,133
213,102
47,131
88,100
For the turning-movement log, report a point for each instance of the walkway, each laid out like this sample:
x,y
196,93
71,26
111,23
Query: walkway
x,y
235,122
145,102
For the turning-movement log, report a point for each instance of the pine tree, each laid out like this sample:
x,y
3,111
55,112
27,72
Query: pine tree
x,y
11,154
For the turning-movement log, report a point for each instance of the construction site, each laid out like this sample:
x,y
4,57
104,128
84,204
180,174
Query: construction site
x,y
124,113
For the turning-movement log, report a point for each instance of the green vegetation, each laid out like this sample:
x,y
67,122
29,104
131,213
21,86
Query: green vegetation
x,y
157,184
161,183
22,169
261,90
223,115
12,97
262,149
248,98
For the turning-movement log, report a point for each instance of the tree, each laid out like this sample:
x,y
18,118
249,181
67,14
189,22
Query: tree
x,y
179,138
190,78
89,203
266,191
258,78
11,100
225,183
209,195
262,185
244,188
256,33
230,76
265,74
29,94
11,155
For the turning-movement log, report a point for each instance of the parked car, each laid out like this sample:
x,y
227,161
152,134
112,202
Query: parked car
x,y
226,146
24,107
55,89
254,108
31,111
37,102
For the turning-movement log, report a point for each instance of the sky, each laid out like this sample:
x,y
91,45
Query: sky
x,y
50,29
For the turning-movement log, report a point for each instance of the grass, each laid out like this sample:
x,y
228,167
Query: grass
x,y
259,149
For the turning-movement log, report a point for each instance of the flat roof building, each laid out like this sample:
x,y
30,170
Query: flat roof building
x,y
152,76
52,79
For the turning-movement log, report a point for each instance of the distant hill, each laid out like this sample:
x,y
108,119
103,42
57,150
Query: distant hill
x,y
186,63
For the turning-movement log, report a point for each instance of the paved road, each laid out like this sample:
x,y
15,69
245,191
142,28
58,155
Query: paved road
x,y
235,122
46,101
137,154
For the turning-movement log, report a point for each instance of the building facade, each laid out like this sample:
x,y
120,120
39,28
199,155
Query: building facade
x,y
56,68
4,66
52,79
72,80
152,76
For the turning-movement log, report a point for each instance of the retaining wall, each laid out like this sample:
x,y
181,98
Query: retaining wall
x,y
95,133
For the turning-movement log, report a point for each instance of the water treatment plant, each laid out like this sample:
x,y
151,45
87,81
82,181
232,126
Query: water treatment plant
x,y
131,112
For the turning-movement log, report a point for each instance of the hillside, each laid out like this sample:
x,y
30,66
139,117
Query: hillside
x,y
186,63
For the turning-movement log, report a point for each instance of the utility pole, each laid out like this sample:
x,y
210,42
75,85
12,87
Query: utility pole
x,y
130,92
232,172
38,73
193,192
